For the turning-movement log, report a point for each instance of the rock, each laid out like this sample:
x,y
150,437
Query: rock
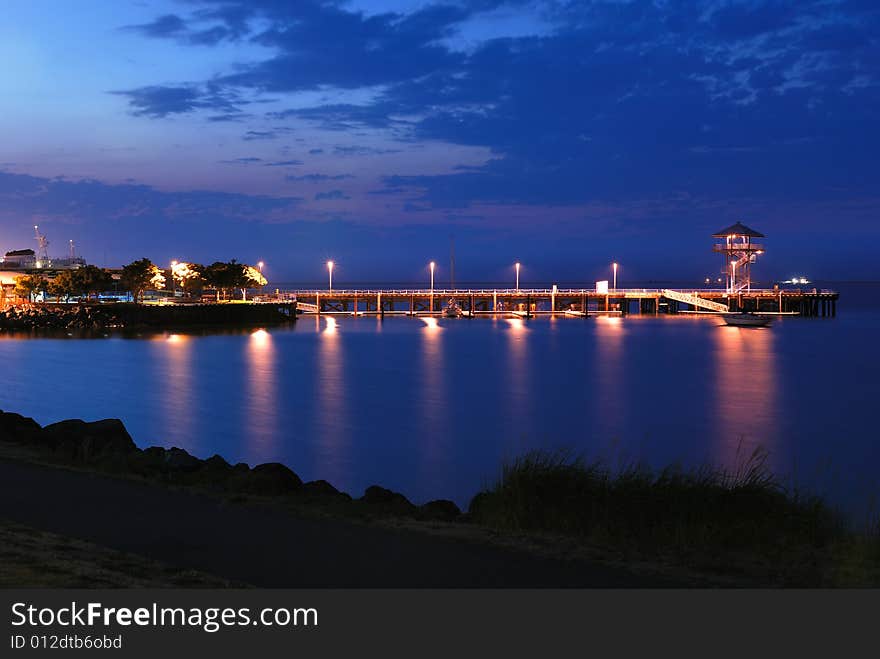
x,y
17,428
322,488
270,479
176,459
148,462
376,495
440,509
213,472
78,441
216,462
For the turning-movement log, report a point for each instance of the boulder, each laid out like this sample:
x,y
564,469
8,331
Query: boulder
x,y
176,459
213,472
17,428
78,441
270,479
322,488
388,500
148,462
440,509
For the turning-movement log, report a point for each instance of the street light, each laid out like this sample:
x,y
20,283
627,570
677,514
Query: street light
x,y
517,266
260,265
432,265
614,268
173,281
330,272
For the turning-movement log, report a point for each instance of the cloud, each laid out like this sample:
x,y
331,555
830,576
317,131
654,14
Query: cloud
x,y
249,160
160,101
284,163
317,178
252,135
163,27
331,195
617,100
357,150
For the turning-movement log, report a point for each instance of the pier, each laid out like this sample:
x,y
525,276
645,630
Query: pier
x,y
564,301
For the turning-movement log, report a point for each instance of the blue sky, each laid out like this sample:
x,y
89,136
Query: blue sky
x,y
560,134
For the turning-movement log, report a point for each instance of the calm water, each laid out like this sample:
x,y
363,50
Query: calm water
x,y
432,408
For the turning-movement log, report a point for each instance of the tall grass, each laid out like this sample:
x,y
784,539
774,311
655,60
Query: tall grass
x,y
742,518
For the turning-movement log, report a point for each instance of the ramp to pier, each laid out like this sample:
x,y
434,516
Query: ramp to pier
x,y
694,300
306,307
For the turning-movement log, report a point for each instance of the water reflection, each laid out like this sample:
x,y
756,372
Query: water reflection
x,y
608,390
518,408
331,423
745,392
178,389
261,399
433,405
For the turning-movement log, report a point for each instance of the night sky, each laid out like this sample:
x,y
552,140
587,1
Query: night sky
x,y
564,135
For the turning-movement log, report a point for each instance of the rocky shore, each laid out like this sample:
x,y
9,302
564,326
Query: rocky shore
x,y
106,446
72,317
130,316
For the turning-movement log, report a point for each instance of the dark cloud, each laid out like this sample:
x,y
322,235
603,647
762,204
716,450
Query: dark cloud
x,y
344,117
169,25
248,160
159,101
616,100
357,150
284,163
331,195
317,178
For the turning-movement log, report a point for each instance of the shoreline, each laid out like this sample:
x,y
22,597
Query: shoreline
x,y
526,511
133,317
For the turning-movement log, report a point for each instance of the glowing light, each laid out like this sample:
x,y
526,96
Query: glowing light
x,y
330,265
517,266
331,325
260,337
175,338
431,324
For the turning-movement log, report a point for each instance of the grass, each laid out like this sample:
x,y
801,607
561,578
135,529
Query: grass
x,y
32,558
740,522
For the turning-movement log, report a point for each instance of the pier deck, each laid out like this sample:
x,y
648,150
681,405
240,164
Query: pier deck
x,y
570,301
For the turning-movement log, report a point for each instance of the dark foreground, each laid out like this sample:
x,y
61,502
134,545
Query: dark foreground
x,y
267,547
549,521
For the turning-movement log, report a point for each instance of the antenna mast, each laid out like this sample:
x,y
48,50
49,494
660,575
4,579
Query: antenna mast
x,y
452,262
42,244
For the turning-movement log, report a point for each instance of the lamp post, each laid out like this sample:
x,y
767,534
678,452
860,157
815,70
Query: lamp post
x,y
614,269
431,266
260,265
517,266
173,281
330,272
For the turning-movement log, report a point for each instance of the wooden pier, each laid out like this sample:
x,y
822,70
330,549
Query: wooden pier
x,y
568,301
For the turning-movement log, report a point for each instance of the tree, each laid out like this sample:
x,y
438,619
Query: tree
x,y
224,277
190,277
27,285
251,278
63,285
91,279
141,275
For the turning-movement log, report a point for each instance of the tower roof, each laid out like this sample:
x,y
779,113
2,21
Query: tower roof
x,y
738,229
